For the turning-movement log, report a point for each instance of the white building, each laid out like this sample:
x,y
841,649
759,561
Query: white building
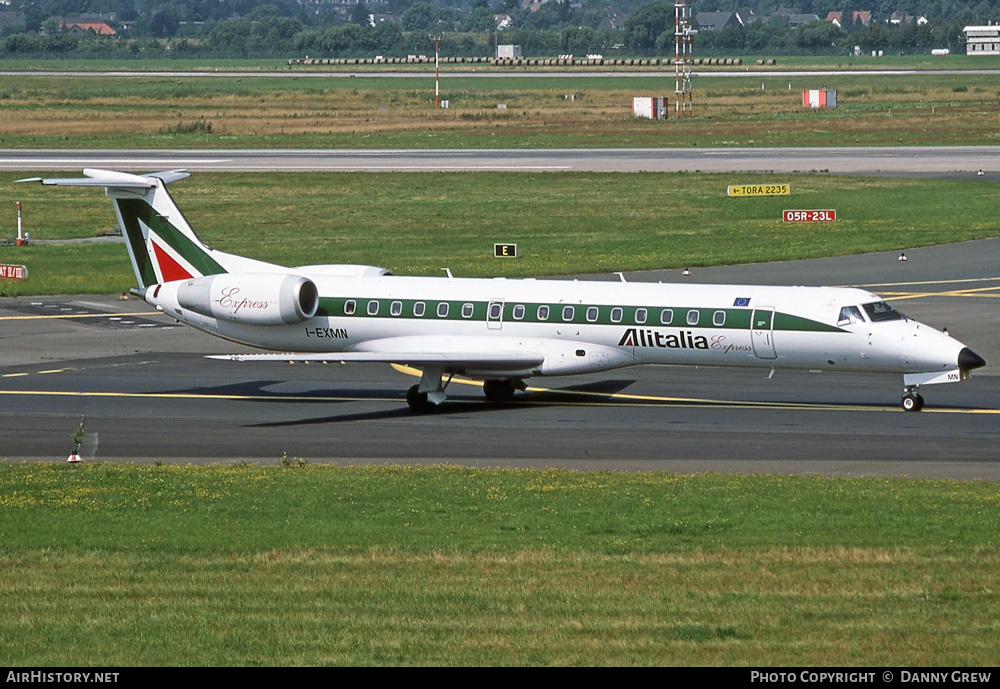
x,y
982,40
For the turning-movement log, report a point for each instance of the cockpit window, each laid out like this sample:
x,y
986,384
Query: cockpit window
x,y
850,314
880,311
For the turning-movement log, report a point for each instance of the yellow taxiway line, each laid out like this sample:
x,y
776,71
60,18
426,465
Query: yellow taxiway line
x,y
654,400
621,399
49,316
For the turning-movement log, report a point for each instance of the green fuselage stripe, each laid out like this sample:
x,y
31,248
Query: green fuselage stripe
x,y
582,314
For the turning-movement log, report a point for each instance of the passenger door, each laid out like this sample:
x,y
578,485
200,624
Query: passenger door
x,y
762,332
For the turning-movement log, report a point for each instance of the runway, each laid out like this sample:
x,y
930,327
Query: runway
x,y
147,394
940,162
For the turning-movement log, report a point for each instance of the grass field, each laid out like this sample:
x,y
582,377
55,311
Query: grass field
x,y
563,223
345,111
116,565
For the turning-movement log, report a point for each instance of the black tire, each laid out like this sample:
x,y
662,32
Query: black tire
x,y
499,391
417,400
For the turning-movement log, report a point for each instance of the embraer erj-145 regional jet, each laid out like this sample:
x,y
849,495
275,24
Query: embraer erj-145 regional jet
x,y
505,331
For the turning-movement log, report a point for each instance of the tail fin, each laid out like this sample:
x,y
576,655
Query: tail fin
x,y
161,243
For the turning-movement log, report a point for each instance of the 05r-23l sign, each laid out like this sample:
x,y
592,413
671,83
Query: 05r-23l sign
x,y
809,216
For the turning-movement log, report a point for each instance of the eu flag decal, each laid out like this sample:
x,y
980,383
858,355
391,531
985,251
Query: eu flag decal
x,y
742,301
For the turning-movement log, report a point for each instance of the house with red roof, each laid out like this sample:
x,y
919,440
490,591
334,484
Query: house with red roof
x,y
862,17
84,28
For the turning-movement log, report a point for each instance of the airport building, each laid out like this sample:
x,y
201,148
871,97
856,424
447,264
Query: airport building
x,y
982,40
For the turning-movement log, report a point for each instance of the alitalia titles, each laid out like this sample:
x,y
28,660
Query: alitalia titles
x,y
684,339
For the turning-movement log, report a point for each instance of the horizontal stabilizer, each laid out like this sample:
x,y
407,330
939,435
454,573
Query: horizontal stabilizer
x,y
111,179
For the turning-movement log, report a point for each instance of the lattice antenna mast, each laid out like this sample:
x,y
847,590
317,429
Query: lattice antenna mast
x,y
683,57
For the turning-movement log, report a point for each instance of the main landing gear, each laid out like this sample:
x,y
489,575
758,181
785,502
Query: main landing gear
x,y
430,392
500,391
912,400
417,400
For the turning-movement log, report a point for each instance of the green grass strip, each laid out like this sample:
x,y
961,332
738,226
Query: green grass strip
x,y
563,223
324,565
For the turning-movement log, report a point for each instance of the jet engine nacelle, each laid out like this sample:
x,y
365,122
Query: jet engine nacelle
x,y
255,298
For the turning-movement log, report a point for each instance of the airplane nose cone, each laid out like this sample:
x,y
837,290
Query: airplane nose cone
x,y
968,360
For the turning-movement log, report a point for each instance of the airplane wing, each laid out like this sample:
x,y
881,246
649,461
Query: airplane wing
x,y
449,353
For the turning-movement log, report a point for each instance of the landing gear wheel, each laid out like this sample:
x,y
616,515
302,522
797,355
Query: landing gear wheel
x,y
417,400
499,390
913,402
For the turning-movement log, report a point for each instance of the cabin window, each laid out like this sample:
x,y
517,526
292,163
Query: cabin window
x,y
519,312
496,311
719,318
373,307
880,311
616,314
443,309
592,314
349,306
692,317
543,313
666,315
396,308
640,316
568,312
850,314
419,308
467,310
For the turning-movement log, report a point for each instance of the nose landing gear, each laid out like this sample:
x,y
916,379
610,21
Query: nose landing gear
x,y
912,400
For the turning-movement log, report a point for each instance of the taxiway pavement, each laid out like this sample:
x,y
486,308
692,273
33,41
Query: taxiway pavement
x,y
147,394
937,162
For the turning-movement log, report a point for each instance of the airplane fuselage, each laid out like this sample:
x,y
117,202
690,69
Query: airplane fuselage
x,y
581,326
506,330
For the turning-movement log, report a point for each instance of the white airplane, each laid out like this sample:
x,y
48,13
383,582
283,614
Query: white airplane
x,y
504,331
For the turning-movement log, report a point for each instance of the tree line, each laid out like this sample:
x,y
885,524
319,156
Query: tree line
x,y
287,28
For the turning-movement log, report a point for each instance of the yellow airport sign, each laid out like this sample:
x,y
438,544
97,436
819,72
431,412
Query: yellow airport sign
x,y
759,189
